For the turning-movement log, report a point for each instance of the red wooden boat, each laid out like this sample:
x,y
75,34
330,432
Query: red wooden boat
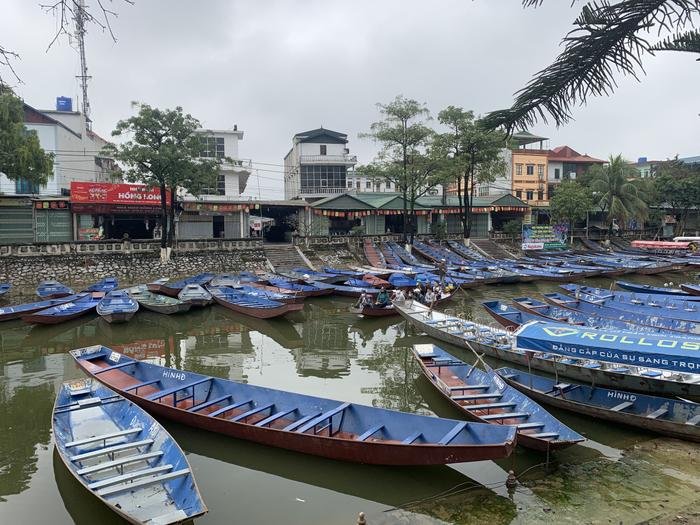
x,y
376,281
373,256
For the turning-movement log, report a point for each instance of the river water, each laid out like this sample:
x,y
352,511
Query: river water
x,y
617,476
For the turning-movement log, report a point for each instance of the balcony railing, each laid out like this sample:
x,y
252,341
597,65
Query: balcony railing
x,y
323,190
328,159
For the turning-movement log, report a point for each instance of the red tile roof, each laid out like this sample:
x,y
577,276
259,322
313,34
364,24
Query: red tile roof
x,y
567,154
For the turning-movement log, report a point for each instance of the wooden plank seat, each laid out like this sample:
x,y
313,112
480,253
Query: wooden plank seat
x,y
80,406
129,476
252,412
488,406
229,407
111,450
469,387
139,385
545,435
413,437
369,432
114,367
476,396
506,415
108,491
693,420
533,424
658,413
449,363
323,417
174,390
274,417
202,406
119,462
447,438
622,406
301,421
104,437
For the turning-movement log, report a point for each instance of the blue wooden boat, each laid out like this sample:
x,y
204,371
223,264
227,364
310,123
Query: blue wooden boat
x,y
52,290
312,425
123,456
676,325
117,307
4,288
8,313
195,294
255,291
347,291
303,289
564,315
83,305
308,274
254,306
482,396
687,311
401,280
358,283
647,288
669,417
634,298
105,285
692,289
161,304
175,287
350,274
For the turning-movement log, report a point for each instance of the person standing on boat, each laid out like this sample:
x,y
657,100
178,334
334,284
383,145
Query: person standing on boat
x,y
430,298
398,296
382,298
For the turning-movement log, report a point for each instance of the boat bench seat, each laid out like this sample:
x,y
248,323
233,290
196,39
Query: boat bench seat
x,y
369,432
174,390
202,406
119,462
129,476
622,406
139,385
413,437
143,483
229,407
447,438
477,396
487,406
104,437
84,404
274,417
693,420
506,415
114,367
301,421
658,413
534,424
445,363
545,435
469,387
323,417
252,412
110,450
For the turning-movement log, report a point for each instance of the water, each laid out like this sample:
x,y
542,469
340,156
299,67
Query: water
x,y
617,476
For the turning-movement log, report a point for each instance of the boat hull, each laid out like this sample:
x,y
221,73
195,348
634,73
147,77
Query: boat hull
x,y
258,313
118,317
691,289
38,318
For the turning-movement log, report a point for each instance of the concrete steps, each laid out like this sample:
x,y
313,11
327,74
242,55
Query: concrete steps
x,y
284,257
491,249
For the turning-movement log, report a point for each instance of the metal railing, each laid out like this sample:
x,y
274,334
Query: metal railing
x,y
328,159
323,190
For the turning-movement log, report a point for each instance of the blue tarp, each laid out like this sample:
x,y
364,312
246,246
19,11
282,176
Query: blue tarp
x,y
679,353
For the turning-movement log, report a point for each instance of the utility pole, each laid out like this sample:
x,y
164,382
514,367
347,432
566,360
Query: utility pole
x,y
84,77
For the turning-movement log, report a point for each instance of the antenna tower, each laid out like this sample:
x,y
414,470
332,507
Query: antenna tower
x,y
84,77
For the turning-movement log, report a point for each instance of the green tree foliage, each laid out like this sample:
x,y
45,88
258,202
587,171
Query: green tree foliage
x,y
614,190
570,203
678,186
607,39
163,151
21,156
406,158
472,155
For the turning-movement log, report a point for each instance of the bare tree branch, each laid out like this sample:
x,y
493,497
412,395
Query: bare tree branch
x,y
7,56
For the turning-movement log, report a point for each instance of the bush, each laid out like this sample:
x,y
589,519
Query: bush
x,y
514,228
357,230
439,229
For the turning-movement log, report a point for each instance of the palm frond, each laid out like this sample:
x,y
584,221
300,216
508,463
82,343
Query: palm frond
x,y
687,42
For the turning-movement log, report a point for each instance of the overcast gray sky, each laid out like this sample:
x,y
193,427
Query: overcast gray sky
x,y
277,67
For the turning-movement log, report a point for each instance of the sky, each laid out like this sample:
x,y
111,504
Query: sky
x,y
279,67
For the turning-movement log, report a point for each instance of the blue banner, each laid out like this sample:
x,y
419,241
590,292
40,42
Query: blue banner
x,y
669,352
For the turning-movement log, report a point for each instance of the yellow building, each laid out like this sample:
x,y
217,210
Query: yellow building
x,y
530,168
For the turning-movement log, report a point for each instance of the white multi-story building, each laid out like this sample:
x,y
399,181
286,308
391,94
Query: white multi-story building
x,y
318,164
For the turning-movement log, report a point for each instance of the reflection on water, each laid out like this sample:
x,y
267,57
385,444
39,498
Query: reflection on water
x,y
324,350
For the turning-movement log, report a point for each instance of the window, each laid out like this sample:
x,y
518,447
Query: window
x,y
530,169
368,185
220,188
377,186
388,186
557,174
518,169
483,191
314,176
358,184
212,147
529,195
323,149
349,183
23,186
540,195
519,194
540,170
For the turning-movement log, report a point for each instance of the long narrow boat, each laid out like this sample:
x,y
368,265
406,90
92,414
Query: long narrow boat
x,y
257,291
379,311
83,305
647,288
52,290
669,417
347,291
257,307
603,370
123,456
564,315
312,425
8,313
173,288
105,285
482,396
634,298
686,311
117,307
161,304
507,315
658,321
4,288
692,289
195,294
302,288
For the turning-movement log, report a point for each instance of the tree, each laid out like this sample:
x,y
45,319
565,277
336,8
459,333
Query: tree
x,y
165,152
472,156
406,158
607,39
678,186
612,189
571,202
21,155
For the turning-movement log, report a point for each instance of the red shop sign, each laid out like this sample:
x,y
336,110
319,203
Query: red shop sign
x,y
106,193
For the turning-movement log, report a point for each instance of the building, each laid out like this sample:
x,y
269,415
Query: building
x,y
501,185
645,167
565,163
530,165
361,183
318,164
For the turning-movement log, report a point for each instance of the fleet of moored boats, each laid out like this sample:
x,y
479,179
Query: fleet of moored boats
x,y
630,357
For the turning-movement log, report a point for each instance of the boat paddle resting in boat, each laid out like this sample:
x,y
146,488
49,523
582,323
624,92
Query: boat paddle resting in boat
x,y
483,396
123,456
105,285
83,305
4,288
117,307
670,417
8,313
258,307
52,290
195,294
312,425
161,304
